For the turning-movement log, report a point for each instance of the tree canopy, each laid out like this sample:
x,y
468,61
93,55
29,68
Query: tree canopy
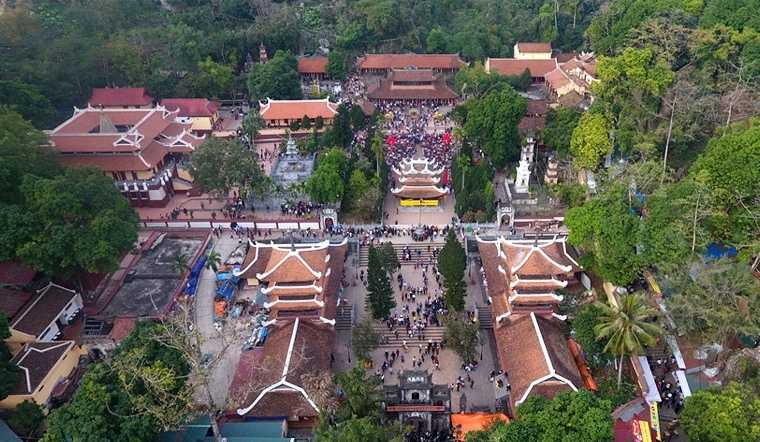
x,y
590,141
220,165
560,124
380,300
452,261
276,79
327,183
730,414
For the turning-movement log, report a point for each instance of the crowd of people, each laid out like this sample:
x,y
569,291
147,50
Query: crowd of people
x,y
408,126
298,208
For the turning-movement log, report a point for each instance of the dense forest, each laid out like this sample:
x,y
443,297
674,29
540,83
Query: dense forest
x,y
52,52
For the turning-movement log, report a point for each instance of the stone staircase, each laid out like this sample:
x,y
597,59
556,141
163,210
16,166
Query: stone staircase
x,y
343,317
422,247
388,340
485,320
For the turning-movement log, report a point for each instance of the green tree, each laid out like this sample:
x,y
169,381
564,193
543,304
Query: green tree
x,y
492,123
364,339
436,41
590,141
364,429
452,261
27,101
362,394
627,328
730,414
389,257
461,335
336,65
219,166
560,124
380,300
587,318
252,124
277,79
8,371
27,419
213,260
718,303
327,183
305,122
181,263
82,223
212,80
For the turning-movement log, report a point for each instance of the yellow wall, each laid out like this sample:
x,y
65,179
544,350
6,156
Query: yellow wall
x,y
18,337
62,370
142,174
184,174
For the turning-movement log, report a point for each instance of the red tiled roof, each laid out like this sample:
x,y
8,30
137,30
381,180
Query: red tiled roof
x,y
42,310
417,192
36,360
534,47
11,301
294,109
402,61
412,75
120,96
13,273
312,65
386,90
511,66
191,107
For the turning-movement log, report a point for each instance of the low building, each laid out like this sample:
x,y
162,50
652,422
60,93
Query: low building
x,y
42,366
532,51
16,275
281,113
200,113
120,98
538,69
412,85
39,317
381,64
417,402
313,67
574,76
144,150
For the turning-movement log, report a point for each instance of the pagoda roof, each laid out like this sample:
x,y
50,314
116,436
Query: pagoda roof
x,y
419,192
513,66
191,107
119,96
410,60
534,47
315,64
295,109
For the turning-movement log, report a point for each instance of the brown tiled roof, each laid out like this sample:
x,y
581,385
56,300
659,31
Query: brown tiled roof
x,y
332,284
534,47
42,310
191,107
564,57
35,361
511,66
412,75
255,261
316,64
537,107
497,281
286,267
531,124
386,91
532,262
13,273
556,79
522,356
403,61
11,301
294,109
419,192
120,96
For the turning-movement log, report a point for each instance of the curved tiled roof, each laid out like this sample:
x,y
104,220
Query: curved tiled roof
x,y
403,61
316,64
294,109
120,96
513,66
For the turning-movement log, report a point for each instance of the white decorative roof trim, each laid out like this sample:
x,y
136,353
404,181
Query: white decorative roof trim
x,y
267,290
403,187
501,269
554,296
560,317
516,280
502,317
539,248
434,179
255,257
296,255
327,321
286,301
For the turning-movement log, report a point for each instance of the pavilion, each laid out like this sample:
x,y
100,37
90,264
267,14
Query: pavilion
x,y
384,63
419,182
412,85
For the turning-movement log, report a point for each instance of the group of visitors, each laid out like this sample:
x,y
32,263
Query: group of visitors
x,y
408,126
298,208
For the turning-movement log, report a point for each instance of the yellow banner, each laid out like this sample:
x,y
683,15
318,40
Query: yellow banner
x,y
418,203
655,418
646,433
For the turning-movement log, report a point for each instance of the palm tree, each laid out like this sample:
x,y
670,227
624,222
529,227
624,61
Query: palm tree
x,y
213,260
626,328
181,263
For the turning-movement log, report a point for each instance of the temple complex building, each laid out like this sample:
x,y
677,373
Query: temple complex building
x,y
380,64
418,179
412,85
313,67
120,97
417,402
299,285
143,150
280,113
572,76
522,278
202,114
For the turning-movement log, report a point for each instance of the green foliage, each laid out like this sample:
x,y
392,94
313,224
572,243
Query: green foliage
x,y
380,300
492,123
389,257
212,80
336,65
82,223
617,395
277,79
560,124
571,194
27,419
475,81
436,41
606,229
364,429
569,416
327,183
731,414
28,101
718,304
141,392
364,339
474,181
587,318
8,371
362,394
452,261
590,141
461,335
220,165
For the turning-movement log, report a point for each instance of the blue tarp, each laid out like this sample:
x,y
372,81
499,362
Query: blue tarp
x,y
227,289
717,251
195,273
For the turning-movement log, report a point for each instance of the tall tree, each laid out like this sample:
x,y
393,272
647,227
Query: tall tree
x,y
364,339
461,335
8,371
336,65
219,166
492,122
380,298
452,261
277,79
560,124
389,257
328,182
627,328
590,141
729,414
